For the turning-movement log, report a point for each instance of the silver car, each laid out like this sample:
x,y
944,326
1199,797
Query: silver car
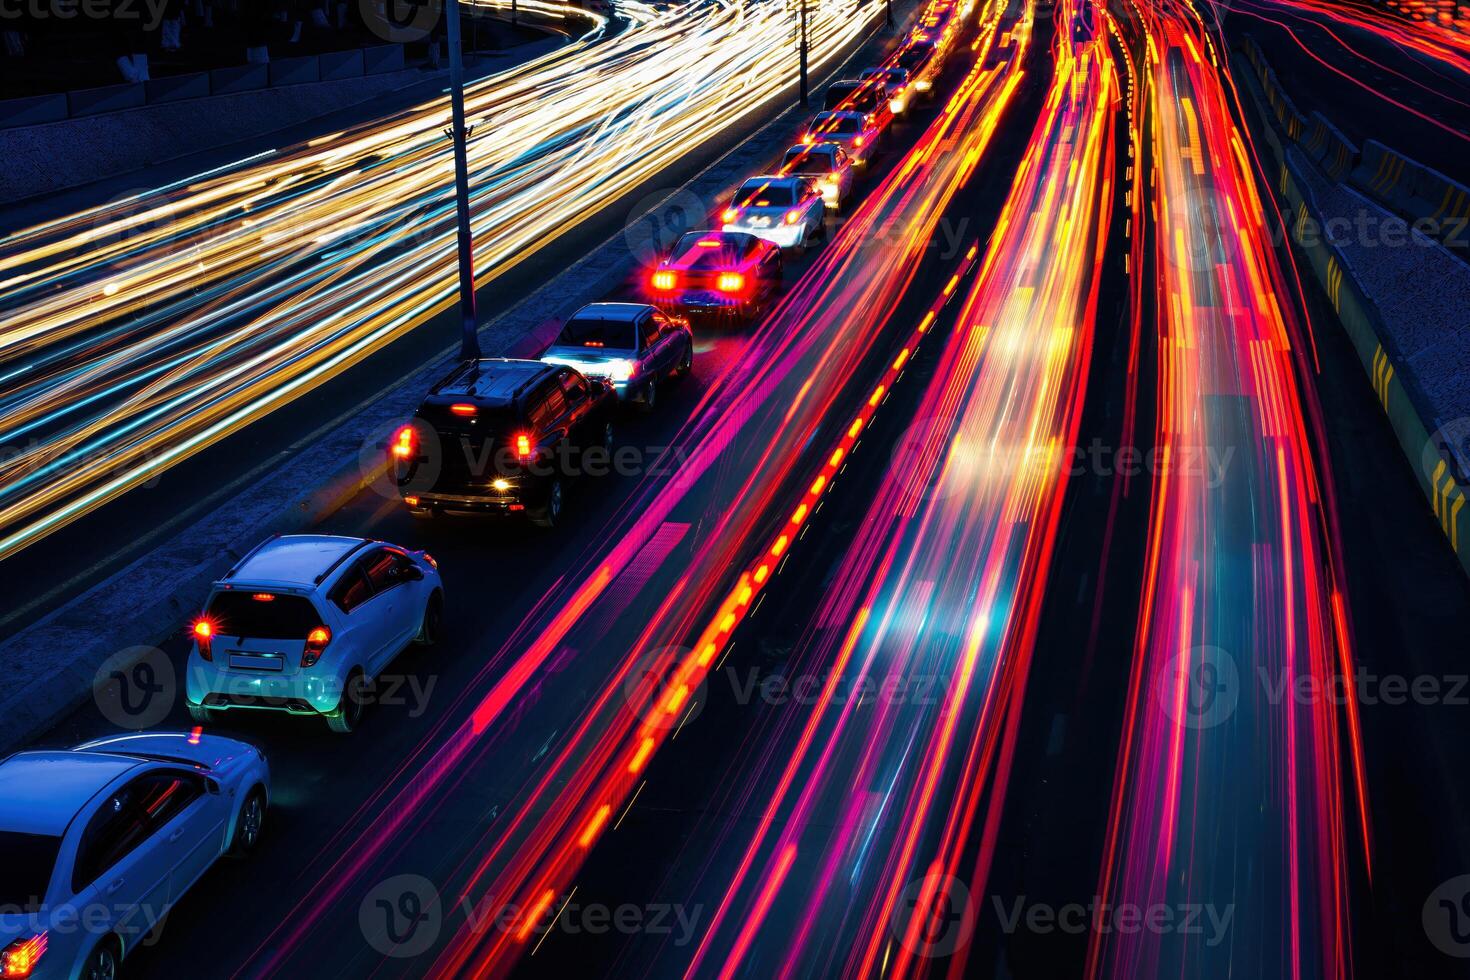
x,y
828,165
788,211
634,346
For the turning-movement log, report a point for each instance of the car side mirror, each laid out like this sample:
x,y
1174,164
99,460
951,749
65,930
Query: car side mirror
x,y
413,573
211,787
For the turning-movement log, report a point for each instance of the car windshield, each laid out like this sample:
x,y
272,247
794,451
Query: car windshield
x,y
262,615
701,253
596,331
856,97
889,75
759,194
914,57
810,161
28,860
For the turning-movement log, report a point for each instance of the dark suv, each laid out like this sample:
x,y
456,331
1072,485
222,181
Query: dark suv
x,y
500,436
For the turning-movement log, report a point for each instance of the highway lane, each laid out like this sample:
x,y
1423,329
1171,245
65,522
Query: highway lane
x,y
845,807
140,332
325,782
1242,589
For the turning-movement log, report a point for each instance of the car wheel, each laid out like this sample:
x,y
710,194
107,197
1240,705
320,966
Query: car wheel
x,y
686,363
550,514
101,963
649,399
345,718
249,825
433,616
200,714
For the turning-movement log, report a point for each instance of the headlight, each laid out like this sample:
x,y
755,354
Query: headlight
x,y
619,370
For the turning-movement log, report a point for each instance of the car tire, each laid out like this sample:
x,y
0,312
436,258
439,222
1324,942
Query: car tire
x,y
550,513
345,718
200,714
686,363
429,627
102,963
648,401
249,824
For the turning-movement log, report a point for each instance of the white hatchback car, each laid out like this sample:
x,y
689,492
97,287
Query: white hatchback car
x,y
306,622
99,842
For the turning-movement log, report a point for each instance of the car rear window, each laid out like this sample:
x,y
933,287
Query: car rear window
x,y
279,617
763,195
811,161
596,332
861,99
28,860
913,58
700,254
837,124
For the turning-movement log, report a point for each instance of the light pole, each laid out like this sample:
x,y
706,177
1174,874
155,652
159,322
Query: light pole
x,y
469,343
888,13
805,96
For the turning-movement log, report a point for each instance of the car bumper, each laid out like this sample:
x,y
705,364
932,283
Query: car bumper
x,y
520,494
215,685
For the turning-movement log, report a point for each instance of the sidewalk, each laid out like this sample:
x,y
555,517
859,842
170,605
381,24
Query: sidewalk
x,y
1373,226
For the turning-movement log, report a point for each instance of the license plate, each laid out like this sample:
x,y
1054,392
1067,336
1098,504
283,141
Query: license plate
x,y
257,661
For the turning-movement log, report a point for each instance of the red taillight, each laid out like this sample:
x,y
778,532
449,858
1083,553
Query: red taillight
x,y
463,409
730,282
430,559
263,597
204,636
857,141
730,214
19,959
405,441
316,642
523,446
663,279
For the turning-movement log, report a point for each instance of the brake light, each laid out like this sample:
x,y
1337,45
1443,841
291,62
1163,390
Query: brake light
x,y
316,642
523,446
663,279
464,409
429,558
792,217
19,959
857,141
730,214
730,282
405,441
204,636
263,597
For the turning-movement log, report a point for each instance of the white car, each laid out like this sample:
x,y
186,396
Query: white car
x,y
99,842
788,211
895,83
825,163
856,133
306,622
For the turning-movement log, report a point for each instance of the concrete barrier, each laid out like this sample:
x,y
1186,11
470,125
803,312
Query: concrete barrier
x,y
175,87
341,64
295,71
108,98
239,78
382,58
33,111
1328,147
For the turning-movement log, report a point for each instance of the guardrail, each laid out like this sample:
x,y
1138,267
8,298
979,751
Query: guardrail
x,y
379,59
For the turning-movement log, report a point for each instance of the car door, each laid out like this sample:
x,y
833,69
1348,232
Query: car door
x,y
192,815
666,336
578,395
392,605
361,629
122,871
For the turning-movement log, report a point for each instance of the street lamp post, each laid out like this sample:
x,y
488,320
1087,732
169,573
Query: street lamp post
x,y
469,344
888,13
805,95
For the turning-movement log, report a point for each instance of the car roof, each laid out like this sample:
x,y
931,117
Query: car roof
x,y
294,559
836,113
627,312
492,381
771,180
807,149
42,792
